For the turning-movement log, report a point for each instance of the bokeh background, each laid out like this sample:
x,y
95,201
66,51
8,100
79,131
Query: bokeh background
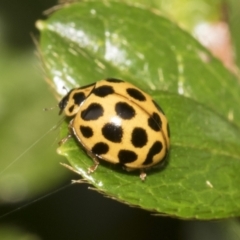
x,y
35,187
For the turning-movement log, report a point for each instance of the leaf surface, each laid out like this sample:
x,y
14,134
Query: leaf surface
x,y
88,41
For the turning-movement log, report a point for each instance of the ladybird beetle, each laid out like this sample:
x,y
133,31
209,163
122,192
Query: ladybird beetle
x,y
117,122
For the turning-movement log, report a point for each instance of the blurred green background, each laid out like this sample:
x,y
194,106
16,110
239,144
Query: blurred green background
x,y
74,212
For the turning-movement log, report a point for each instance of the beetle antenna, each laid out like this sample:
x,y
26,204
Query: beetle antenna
x,y
49,109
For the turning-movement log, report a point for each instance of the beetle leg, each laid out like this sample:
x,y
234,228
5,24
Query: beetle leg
x,y
94,167
143,175
96,163
62,141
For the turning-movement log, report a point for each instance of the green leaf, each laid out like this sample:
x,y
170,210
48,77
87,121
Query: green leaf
x,y
88,41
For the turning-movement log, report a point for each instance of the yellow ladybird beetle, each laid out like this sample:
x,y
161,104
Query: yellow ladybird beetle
x,y
117,122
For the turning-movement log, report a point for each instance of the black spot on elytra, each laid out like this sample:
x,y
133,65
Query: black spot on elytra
x,y
139,137
124,110
71,108
158,107
87,132
93,112
126,156
103,91
155,149
100,148
112,132
114,80
136,94
168,130
79,98
155,122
